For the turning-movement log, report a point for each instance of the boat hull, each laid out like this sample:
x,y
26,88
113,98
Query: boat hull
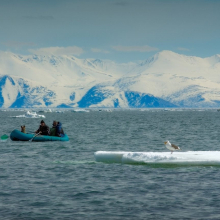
x,y
17,135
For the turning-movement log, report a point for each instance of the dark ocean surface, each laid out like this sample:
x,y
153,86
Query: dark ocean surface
x,y
62,180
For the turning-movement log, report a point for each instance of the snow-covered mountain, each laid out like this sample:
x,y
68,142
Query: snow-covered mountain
x,y
167,79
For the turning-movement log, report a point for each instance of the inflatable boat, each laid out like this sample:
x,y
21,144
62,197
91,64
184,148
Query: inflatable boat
x,y
17,135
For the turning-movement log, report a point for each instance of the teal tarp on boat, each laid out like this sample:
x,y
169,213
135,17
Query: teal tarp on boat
x,y
17,135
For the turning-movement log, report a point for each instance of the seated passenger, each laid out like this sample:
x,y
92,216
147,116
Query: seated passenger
x,y
59,130
43,129
53,129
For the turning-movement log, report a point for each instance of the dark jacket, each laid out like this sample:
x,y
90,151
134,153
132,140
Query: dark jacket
x,y
45,130
59,130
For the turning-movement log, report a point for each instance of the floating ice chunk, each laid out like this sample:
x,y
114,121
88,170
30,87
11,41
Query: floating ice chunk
x,y
190,157
109,156
59,111
45,111
80,110
29,114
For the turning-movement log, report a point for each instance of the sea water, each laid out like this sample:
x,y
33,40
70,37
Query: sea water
x,y
65,180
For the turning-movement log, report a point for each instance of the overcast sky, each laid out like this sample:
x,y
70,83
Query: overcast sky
x,y
120,30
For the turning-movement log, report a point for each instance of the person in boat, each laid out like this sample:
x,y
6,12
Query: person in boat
x,y
53,129
59,130
43,129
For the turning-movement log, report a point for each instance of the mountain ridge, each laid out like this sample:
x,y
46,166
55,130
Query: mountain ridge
x,y
166,79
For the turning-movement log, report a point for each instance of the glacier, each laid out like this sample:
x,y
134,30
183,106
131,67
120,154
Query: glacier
x,y
165,80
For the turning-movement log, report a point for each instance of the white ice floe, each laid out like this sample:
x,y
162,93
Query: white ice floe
x,y
80,110
189,157
45,111
59,111
29,114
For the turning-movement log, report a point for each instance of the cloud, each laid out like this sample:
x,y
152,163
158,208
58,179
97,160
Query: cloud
x,y
144,48
97,50
77,51
183,49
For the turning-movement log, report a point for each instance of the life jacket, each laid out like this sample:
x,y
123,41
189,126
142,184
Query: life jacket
x,y
59,130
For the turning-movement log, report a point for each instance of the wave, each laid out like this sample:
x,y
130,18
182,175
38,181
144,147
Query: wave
x,y
185,158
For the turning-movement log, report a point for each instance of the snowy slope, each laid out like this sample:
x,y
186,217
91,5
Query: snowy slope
x,y
167,79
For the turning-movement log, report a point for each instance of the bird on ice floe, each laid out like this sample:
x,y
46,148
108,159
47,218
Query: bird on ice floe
x,y
171,147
